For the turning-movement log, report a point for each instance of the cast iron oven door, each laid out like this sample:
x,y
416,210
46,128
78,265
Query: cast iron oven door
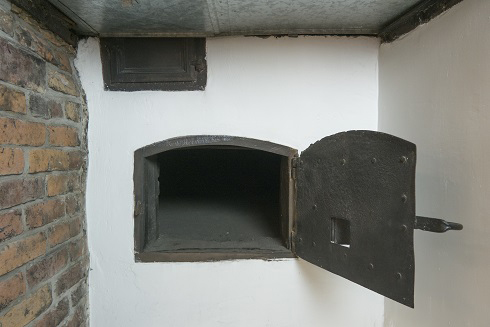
x,y
351,200
356,210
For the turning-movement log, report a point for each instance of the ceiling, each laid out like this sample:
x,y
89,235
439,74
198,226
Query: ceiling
x,y
233,17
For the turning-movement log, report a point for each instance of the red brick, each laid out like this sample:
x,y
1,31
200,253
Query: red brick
x,y
27,37
76,159
15,131
59,234
10,224
20,68
12,100
47,267
18,191
69,278
62,83
47,35
43,213
55,316
63,231
27,310
63,61
11,161
72,111
57,111
78,293
41,106
48,160
30,38
73,203
78,249
79,317
63,136
61,184
20,252
75,226
11,289
57,42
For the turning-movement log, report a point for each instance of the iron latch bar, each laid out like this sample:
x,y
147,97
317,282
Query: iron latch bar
x,y
435,225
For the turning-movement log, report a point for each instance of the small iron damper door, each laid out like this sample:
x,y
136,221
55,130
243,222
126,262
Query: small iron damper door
x,y
356,210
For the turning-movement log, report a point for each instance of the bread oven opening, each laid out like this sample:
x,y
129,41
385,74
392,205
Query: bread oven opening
x,y
224,198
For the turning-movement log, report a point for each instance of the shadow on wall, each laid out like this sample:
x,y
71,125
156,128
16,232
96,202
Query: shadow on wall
x,y
434,91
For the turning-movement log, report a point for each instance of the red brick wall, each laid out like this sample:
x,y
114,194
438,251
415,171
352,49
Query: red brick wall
x,y
43,250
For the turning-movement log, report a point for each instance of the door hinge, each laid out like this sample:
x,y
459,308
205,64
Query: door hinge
x,y
294,165
138,209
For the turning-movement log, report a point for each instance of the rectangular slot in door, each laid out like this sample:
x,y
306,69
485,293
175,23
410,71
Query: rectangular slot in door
x,y
340,232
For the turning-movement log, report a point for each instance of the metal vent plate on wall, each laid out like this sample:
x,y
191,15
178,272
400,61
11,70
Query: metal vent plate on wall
x,y
171,64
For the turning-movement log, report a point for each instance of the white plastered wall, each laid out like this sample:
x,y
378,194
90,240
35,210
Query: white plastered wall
x,y
435,91
291,91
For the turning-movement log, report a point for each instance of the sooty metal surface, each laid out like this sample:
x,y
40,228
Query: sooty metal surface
x,y
356,210
232,17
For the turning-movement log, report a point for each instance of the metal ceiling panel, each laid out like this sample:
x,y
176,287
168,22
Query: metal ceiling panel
x,y
231,17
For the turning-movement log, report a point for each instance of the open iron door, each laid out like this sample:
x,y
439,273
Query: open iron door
x,y
356,210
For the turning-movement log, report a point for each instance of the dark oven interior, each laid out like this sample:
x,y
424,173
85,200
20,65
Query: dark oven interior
x,y
217,202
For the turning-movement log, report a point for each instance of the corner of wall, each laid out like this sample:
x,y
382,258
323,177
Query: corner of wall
x,y
434,86
43,159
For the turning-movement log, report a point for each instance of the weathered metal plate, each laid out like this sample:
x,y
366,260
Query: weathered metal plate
x,y
173,64
232,17
357,188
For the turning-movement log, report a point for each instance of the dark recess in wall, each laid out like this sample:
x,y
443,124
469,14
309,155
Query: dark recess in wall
x,y
215,199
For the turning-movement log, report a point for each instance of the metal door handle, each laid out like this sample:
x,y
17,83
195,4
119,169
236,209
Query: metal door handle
x,y
435,225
